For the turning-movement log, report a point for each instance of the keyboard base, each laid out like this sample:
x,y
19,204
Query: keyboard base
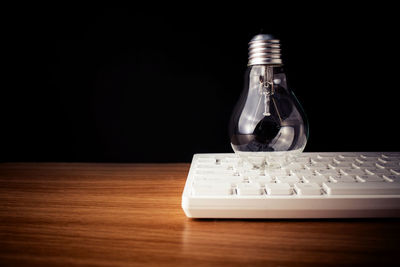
x,y
284,207
294,214
268,213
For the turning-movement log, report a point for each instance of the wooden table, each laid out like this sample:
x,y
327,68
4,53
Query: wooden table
x,y
130,214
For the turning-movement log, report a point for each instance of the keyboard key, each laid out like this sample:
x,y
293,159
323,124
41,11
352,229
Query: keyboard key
x,y
343,179
251,173
395,170
391,155
278,189
333,166
303,160
369,178
211,166
206,160
276,172
223,189
295,166
230,161
252,189
275,164
391,178
217,179
366,156
326,155
377,171
333,178
350,171
315,179
362,188
262,180
322,160
317,165
224,171
288,179
381,165
365,164
348,157
302,172
307,189
390,160
368,159
327,172
388,164
342,164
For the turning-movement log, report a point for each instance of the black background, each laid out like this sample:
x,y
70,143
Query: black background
x,y
135,85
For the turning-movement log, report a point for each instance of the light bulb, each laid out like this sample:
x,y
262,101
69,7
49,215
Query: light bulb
x,y
268,120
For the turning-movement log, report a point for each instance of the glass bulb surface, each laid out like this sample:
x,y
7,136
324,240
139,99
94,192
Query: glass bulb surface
x,y
268,120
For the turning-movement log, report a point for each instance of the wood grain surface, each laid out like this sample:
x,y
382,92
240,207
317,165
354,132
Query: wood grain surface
x,y
66,214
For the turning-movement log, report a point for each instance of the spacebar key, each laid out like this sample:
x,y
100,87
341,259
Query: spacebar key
x,y
362,188
216,189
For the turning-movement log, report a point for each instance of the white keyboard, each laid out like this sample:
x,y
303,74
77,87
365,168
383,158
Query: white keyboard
x,y
313,185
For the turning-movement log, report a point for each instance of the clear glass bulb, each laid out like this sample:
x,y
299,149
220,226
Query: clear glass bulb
x,y
268,120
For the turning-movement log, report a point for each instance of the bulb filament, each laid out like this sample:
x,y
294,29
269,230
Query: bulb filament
x,y
267,88
266,104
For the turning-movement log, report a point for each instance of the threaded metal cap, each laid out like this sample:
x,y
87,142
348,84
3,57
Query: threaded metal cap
x,y
264,49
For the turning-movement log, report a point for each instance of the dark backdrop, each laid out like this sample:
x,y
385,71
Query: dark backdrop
x,y
128,85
